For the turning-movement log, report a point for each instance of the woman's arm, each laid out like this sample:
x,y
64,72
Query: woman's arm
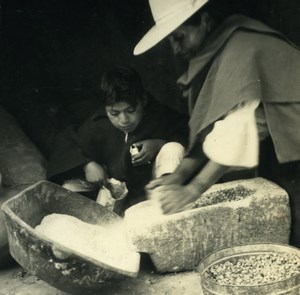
x,y
174,198
207,177
233,142
188,167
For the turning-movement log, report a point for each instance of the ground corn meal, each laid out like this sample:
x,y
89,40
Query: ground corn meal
x,y
106,244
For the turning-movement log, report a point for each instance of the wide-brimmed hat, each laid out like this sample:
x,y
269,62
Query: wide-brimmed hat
x,y
168,15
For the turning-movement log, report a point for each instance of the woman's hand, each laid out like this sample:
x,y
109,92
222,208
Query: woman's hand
x,y
94,172
173,198
181,175
149,148
173,178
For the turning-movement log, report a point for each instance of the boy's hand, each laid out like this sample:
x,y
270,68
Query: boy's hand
x,y
149,148
94,172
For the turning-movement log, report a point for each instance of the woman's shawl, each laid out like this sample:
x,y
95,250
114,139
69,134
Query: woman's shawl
x,y
244,60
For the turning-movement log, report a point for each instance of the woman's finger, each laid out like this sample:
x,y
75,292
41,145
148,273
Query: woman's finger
x,y
154,183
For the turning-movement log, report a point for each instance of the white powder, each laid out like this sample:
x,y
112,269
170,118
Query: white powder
x,y
107,244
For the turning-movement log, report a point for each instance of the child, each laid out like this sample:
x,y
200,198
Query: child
x,y
99,149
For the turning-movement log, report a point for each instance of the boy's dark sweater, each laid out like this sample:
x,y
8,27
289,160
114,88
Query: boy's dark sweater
x,y
98,140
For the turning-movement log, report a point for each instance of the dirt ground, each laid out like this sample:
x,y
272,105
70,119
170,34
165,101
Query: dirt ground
x,y
16,281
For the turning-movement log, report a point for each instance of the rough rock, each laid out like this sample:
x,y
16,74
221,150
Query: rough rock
x,y
180,241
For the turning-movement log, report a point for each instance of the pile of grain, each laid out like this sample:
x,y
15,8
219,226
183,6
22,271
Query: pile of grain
x,y
108,245
226,195
255,269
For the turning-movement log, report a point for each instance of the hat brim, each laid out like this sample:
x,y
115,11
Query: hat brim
x,y
162,29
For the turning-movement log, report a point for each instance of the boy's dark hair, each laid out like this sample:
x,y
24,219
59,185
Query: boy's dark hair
x,y
122,84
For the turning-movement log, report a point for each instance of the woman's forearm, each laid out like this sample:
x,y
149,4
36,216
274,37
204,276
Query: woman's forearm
x,y
208,176
187,168
191,163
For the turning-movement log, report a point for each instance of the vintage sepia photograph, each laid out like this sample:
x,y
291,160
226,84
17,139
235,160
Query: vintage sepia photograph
x,y
149,147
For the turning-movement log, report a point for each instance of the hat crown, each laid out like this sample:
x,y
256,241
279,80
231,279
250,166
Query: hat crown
x,y
163,9
168,15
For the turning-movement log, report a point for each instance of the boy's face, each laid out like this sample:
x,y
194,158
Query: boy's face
x,y
124,116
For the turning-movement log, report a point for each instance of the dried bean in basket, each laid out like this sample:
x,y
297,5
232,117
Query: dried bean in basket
x,y
256,269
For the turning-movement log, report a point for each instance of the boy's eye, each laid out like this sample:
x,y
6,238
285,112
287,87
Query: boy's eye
x,y
115,114
131,111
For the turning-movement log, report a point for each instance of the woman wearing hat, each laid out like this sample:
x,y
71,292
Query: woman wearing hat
x,y
242,85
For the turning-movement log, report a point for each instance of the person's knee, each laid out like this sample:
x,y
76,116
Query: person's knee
x,y
168,158
171,149
78,185
68,186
